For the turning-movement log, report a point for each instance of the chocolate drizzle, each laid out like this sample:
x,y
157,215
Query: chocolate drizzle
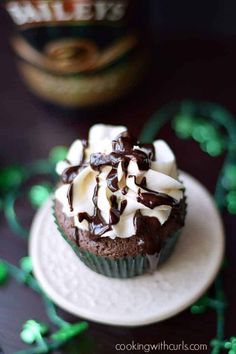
x,y
124,190
154,199
123,152
143,183
76,234
150,233
112,180
97,225
99,160
69,174
70,196
153,260
147,229
151,150
123,206
115,211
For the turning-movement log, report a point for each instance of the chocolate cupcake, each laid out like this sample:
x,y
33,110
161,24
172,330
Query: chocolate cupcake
x,y
120,204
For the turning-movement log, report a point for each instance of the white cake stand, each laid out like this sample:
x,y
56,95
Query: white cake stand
x,y
179,282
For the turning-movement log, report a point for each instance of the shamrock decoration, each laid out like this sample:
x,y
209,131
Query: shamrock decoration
x,y
33,332
211,140
231,344
3,273
57,154
26,264
38,194
230,177
69,331
216,346
229,183
201,305
183,126
10,178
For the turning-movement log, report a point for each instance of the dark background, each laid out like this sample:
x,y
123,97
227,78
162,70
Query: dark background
x,y
194,57
210,17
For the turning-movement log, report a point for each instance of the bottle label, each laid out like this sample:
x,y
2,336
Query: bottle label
x,y
38,12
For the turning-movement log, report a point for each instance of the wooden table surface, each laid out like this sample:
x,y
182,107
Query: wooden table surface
x,y
184,68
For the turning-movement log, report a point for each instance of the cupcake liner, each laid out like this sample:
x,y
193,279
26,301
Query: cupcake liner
x,y
169,246
125,267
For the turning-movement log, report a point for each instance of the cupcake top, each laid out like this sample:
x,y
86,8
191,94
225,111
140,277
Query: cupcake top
x,y
114,186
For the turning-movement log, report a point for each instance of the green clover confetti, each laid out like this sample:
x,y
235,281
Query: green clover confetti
x,y
216,345
211,140
231,344
203,131
184,125
38,194
11,177
201,305
26,264
229,181
57,154
33,331
68,332
3,273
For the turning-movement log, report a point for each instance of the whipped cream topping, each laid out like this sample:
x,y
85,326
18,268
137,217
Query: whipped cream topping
x,y
111,180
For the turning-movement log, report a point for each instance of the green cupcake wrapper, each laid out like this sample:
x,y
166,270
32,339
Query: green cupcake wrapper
x,y
125,267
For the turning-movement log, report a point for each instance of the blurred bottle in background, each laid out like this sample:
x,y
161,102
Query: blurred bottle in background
x,y
79,53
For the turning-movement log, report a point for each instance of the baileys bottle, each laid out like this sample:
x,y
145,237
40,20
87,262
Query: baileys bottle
x,y
77,53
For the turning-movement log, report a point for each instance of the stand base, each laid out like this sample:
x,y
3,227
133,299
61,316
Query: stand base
x,y
145,299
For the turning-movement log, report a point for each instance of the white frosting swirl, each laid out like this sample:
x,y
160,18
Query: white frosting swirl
x,y
160,177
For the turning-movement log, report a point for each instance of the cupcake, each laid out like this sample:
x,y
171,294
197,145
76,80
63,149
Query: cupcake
x,y
119,204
